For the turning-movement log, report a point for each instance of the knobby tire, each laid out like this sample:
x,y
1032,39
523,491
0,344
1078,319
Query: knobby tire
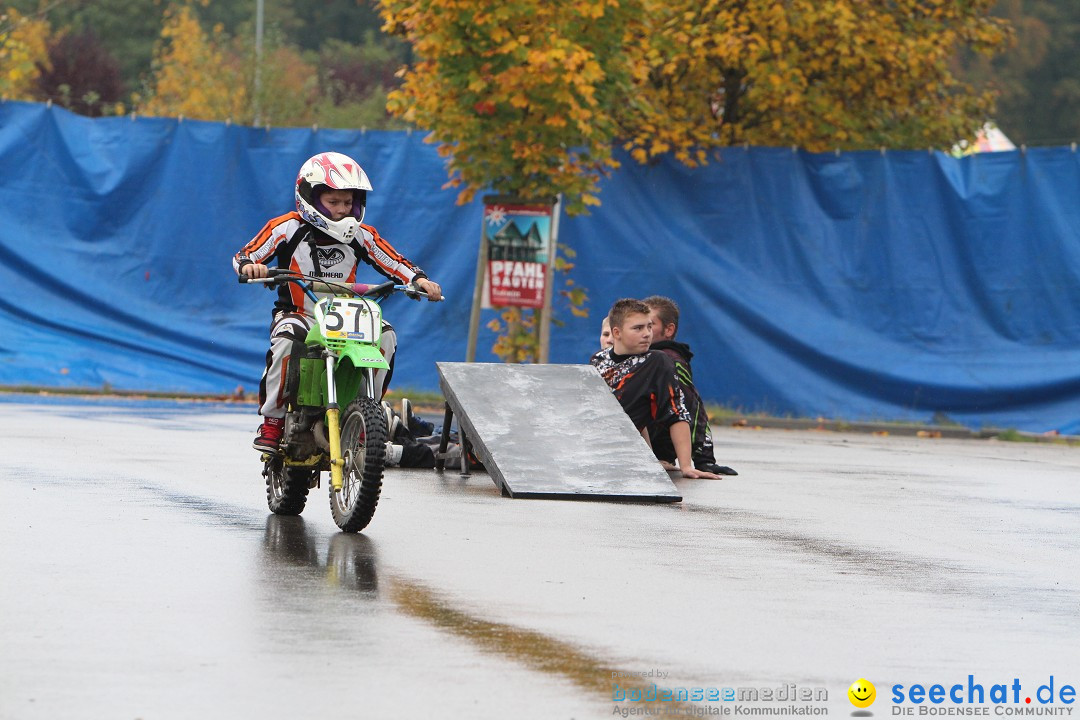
x,y
286,487
363,444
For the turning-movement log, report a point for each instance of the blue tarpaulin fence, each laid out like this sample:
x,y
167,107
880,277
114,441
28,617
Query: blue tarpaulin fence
x,y
863,285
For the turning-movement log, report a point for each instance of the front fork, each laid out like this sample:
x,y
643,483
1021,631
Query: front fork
x,y
334,428
337,462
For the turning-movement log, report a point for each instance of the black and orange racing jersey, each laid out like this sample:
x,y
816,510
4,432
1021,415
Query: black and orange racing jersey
x,y
289,242
644,385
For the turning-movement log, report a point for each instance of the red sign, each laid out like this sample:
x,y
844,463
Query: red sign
x,y
518,240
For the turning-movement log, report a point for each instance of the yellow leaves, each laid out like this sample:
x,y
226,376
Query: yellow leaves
x,y
23,46
557,54
821,72
509,46
591,10
577,59
519,95
192,76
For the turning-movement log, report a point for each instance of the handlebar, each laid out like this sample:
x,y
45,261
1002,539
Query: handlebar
x,y
276,276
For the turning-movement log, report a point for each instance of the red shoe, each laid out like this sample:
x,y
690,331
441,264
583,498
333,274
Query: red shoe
x,y
269,437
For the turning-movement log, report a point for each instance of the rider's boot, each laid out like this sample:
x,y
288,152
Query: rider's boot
x,y
269,437
413,423
714,468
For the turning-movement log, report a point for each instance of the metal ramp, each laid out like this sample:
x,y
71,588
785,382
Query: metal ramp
x,y
549,431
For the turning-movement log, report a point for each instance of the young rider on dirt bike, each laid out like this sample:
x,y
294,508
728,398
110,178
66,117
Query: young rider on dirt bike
x,y
323,238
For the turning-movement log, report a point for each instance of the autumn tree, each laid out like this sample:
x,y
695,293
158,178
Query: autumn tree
x,y
518,94
819,74
23,53
525,96
193,74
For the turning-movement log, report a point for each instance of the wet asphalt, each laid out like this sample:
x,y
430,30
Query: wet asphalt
x,y
141,576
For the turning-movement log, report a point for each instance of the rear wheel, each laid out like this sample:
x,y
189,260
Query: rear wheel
x,y
363,448
286,487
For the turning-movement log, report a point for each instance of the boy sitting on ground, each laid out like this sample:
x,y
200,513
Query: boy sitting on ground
x,y
644,382
664,314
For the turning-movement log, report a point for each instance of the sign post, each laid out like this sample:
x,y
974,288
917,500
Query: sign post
x,y
549,285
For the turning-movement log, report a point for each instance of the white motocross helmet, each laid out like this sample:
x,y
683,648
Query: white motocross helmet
x,y
331,170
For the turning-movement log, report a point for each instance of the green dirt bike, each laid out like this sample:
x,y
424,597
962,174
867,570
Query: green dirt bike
x,y
333,368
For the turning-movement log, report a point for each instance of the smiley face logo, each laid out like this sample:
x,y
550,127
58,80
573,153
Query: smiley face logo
x,y
862,693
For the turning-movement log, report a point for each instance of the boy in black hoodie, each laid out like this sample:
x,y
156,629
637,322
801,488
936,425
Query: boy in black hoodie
x,y
644,383
664,314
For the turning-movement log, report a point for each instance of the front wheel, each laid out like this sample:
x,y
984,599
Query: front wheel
x,y
363,447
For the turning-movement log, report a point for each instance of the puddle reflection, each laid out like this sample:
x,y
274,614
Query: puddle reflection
x,y
349,562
